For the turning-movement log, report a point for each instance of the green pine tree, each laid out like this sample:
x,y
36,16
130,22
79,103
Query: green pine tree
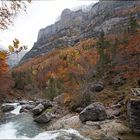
x,y
133,24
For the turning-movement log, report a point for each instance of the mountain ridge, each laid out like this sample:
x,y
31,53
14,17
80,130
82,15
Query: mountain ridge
x,y
75,26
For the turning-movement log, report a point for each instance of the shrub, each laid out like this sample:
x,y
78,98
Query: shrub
x,y
54,88
19,80
81,99
22,78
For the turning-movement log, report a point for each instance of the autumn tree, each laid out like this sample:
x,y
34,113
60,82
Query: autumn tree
x,y
104,61
131,54
16,47
3,64
9,10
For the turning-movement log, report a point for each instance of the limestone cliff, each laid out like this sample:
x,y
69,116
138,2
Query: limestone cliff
x,y
74,26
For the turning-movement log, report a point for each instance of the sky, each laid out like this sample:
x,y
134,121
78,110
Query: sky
x,y
40,13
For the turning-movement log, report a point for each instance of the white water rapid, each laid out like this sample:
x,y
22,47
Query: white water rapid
x,y
22,126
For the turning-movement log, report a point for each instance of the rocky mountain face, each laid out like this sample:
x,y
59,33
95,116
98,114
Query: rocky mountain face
x,y
110,16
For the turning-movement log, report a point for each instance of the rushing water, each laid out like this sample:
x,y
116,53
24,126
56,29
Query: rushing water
x,y
22,126
17,107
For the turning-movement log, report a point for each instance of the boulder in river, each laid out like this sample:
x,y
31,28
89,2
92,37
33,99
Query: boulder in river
x,y
31,103
38,109
23,102
43,118
26,108
23,110
93,112
44,102
7,108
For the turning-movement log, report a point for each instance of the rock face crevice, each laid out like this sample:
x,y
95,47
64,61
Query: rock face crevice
x,y
110,16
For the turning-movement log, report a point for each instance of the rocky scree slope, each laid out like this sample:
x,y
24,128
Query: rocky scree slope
x,y
110,16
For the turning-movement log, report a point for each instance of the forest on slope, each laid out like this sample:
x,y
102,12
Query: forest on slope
x,y
69,70
92,60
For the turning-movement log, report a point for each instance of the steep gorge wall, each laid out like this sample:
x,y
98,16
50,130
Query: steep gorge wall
x,y
74,26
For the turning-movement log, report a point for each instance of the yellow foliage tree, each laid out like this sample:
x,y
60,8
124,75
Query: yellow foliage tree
x,y
15,47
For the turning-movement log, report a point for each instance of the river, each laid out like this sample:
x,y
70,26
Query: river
x,y
22,126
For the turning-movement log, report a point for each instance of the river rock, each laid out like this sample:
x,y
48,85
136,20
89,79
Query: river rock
x,y
26,108
38,109
23,110
94,125
7,108
117,81
110,138
44,102
43,118
65,134
68,121
79,109
112,113
47,104
23,102
133,111
70,136
31,103
97,87
93,112
29,107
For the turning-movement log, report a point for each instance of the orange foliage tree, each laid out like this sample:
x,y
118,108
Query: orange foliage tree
x,y
62,70
3,64
8,11
15,48
130,55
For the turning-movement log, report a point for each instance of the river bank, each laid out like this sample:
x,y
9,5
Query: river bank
x,y
19,123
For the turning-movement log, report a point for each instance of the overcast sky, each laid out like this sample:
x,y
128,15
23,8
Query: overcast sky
x,y
39,15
